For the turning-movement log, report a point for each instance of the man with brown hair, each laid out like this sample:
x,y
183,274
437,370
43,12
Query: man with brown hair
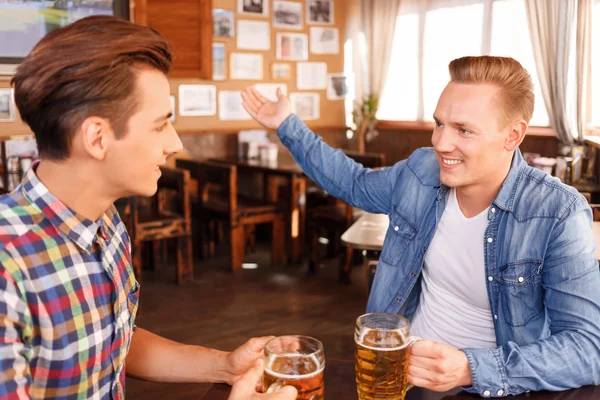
x,y
96,95
491,260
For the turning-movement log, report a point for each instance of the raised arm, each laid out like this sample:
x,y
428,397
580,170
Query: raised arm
x,y
342,177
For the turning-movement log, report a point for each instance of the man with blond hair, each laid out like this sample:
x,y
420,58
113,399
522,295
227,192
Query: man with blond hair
x,y
491,260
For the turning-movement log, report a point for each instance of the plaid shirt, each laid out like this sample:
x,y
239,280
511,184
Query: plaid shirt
x,y
68,298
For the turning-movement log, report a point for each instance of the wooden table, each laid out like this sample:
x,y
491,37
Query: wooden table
x,y
295,203
340,384
367,233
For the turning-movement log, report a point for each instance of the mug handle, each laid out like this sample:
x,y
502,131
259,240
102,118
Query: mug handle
x,y
412,340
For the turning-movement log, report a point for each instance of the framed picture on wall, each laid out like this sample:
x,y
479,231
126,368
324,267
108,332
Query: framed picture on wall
x,y
319,11
291,46
255,7
197,100
287,14
340,86
280,71
246,66
218,56
7,106
223,23
305,105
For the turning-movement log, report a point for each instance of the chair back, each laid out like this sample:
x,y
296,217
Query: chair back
x,y
216,184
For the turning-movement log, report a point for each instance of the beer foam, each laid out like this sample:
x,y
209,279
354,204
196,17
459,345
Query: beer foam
x,y
362,343
278,375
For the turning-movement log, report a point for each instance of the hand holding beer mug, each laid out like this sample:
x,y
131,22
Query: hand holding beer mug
x,y
382,355
298,361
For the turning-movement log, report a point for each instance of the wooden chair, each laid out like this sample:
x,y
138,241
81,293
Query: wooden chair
x,y
330,217
167,216
218,201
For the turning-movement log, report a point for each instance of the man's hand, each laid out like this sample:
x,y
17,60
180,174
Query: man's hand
x,y
267,113
245,388
438,367
245,357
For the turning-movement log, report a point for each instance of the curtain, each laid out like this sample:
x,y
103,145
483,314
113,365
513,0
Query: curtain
x,y
561,49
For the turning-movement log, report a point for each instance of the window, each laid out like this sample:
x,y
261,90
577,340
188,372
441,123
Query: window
x,y
430,34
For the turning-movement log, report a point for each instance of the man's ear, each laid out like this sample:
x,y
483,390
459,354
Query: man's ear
x,y
95,134
516,135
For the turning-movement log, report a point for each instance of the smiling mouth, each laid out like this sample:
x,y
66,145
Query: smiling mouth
x,y
450,162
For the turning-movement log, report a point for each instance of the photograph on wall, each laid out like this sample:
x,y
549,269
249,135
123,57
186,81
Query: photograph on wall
x,y
246,66
218,56
287,14
255,7
230,106
319,11
340,86
223,23
281,71
311,76
173,110
324,40
305,105
7,107
253,35
269,90
291,46
197,100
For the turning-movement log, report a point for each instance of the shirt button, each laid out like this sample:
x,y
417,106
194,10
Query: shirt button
x,y
521,279
490,278
398,299
500,392
490,240
495,316
396,228
486,393
493,210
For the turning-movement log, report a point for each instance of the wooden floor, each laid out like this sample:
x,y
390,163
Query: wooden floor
x,y
222,310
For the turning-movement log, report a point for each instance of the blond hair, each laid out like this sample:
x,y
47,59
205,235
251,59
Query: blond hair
x,y
516,96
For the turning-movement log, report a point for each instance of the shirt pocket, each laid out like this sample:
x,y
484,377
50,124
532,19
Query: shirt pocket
x,y
399,234
521,291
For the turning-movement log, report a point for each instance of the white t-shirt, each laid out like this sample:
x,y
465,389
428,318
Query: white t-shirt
x,y
454,307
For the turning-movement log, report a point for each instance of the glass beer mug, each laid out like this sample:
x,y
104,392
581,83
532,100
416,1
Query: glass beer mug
x,y
382,355
297,361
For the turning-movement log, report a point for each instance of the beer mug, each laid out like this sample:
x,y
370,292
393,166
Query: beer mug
x,y
382,354
298,361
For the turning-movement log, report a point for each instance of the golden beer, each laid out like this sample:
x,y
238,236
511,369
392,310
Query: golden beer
x,y
382,355
297,361
305,375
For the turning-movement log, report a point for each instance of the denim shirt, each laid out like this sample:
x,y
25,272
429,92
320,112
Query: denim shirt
x,y
543,281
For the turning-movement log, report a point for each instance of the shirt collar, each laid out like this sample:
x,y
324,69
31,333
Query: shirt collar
x,y
506,196
76,227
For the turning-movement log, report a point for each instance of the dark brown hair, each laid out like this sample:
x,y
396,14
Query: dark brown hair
x,y
514,82
87,68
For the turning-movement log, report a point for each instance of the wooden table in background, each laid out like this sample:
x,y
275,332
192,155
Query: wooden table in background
x,y
295,203
368,233
340,384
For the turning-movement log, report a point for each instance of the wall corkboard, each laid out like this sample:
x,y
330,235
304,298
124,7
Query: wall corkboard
x,y
332,114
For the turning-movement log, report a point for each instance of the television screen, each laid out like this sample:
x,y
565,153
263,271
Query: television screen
x,y
24,22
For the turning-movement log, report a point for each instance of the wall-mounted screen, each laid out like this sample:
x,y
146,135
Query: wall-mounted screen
x,y
24,22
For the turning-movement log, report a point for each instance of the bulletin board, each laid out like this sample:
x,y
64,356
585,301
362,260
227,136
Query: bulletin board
x,y
332,112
